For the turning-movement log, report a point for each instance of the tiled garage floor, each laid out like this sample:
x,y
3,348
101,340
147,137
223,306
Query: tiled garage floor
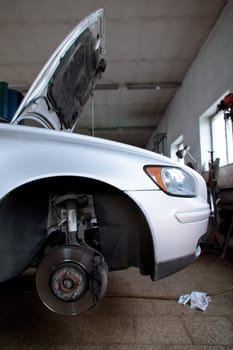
x,y
122,323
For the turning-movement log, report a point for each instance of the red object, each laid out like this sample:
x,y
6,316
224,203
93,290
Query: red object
x,y
228,100
226,105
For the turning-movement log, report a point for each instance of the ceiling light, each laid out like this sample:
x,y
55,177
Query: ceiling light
x,y
107,86
152,85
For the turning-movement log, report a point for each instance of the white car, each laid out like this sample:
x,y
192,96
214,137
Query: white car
x,y
76,206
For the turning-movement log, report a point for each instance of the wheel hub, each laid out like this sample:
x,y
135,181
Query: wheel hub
x,y
68,282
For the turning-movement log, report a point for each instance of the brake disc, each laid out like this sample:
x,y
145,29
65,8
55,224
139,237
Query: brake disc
x,y
63,280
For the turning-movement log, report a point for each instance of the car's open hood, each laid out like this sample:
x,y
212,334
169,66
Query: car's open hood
x,y
57,96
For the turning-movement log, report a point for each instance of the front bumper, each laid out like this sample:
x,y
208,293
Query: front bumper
x,y
167,268
176,225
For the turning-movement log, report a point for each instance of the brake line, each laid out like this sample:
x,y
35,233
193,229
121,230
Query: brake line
x,y
160,297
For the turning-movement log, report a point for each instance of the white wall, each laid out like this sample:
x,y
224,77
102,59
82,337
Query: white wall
x,y
209,77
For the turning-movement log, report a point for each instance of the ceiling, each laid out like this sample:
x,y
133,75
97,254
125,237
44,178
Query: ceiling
x,y
151,43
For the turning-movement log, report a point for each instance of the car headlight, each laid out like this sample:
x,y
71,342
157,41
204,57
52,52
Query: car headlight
x,y
173,181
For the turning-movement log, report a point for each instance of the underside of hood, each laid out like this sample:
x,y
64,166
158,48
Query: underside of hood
x,y
74,79
58,95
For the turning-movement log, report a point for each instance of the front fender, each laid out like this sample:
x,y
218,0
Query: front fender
x,y
29,153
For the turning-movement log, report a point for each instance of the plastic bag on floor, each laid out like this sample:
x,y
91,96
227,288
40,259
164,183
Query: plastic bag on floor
x,y
198,300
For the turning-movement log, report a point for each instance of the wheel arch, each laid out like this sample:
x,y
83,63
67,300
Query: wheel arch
x,y
124,232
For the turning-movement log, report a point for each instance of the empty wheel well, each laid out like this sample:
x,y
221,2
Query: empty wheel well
x,y
125,238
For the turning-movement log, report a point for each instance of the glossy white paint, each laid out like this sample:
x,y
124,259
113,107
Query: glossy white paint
x,y
172,239
30,153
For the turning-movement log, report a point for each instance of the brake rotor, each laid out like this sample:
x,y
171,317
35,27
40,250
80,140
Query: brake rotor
x,y
63,280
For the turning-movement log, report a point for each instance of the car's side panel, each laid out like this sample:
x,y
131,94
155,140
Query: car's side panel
x,y
29,154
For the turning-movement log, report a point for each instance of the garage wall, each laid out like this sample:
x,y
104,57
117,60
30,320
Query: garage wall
x,y
209,77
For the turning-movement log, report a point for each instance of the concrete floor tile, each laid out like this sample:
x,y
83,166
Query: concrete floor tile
x,y
195,347
214,273
85,347
230,295
161,330
88,347
209,330
107,330
54,347
14,328
53,331
119,288
220,305
214,283
125,307
172,308
135,347
130,282
150,288
181,283
229,347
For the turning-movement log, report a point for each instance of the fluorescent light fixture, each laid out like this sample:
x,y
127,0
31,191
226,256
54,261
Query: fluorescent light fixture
x,y
107,86
131,85
152,85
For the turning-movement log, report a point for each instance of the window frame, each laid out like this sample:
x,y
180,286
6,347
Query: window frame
x,y
206,147
227,158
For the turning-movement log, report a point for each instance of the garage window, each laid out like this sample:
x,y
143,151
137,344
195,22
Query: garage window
x,y
216,136
222,138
